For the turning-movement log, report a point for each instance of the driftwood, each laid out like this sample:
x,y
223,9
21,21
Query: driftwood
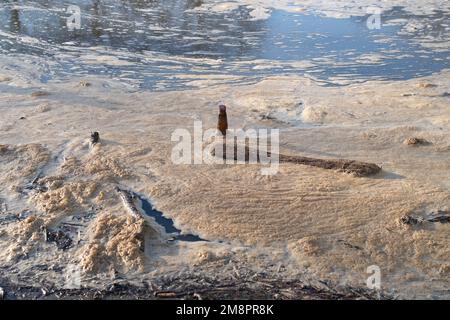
x,y
62,240
34,184
39,93
128,200
434,217
95,137
356,168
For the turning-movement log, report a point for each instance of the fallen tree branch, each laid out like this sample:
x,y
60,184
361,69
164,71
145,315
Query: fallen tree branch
x,y
434,217
356,168
128,200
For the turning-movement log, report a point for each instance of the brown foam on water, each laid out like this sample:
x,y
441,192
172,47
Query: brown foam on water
x,y
115,241
329,223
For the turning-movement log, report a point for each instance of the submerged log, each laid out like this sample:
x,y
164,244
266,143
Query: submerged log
x,y
443,217
39,93
356,168
128,199
434,217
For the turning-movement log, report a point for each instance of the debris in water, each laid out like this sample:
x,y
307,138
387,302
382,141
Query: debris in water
x,y
353,167
95,137
62,240
442,217
34,185
2,293
415,141
434,217
166,295
43,108
349,245
356,168
222,124
408,220
129,199
37,94
84,83
426,85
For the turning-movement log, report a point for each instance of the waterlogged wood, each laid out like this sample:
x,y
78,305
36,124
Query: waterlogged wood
x,y
128,200
438,217
442,218
39,93
34,184
166,295
355,168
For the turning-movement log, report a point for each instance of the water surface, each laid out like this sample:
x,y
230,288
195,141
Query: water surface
x,y
161,45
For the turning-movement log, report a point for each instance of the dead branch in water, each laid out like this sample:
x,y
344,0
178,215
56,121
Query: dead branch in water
x,y
434,217
128,200
34,184
356,168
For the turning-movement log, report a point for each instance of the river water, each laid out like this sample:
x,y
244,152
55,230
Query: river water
x,y
316,69
165,45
